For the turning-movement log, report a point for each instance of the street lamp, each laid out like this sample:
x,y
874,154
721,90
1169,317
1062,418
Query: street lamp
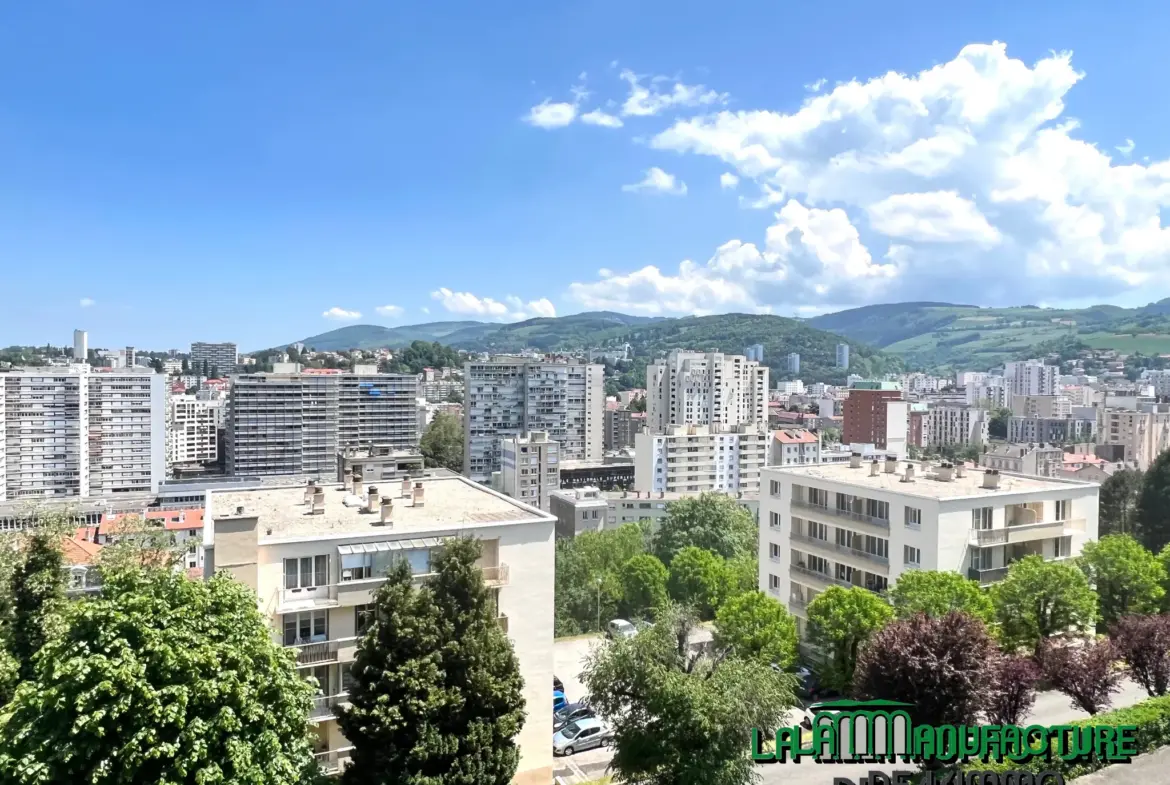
x,y
599,603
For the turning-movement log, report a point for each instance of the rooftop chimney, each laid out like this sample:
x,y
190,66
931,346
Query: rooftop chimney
x,y
387,509
874,470
945,470
891,464
991,479
661,495
855,460
309,493
318,501
405,487
909,475
355,484
372,499
418,495
240,510
961,469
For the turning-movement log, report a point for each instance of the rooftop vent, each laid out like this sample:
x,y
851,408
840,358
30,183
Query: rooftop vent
x,y
419,498
944,472
387,509
405,487
240,510
891,464
355,484
309,493
961,469
372,499
909,475
855,460
874,468
991,479
318,501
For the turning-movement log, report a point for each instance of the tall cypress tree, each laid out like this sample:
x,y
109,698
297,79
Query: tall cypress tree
x,y
436,697
38,590
1153,508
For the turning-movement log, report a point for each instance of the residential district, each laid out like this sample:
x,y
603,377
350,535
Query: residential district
x,y
1026,499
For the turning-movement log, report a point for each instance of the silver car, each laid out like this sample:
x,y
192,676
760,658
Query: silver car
x,y
584,734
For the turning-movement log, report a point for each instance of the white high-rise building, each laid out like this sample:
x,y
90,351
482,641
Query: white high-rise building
x,y
192,428
794,362
991,392
958,425
220,357
700,459
843,356
865,524
294,423
80,346
1032,377
705,388
508,397
76,433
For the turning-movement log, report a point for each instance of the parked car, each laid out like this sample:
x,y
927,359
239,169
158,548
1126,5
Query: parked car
x,y
559,701
620,628
558,685
581,735
811,711
571,713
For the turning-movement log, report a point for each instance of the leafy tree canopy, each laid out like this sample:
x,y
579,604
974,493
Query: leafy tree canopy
x,y
755,626
442,444
1039,599
1119,502
160,680
681,717
840,620
699,580
1144,643
937,593
1152,523
643,580
712,521
421,354
1127,577
437,697
589,586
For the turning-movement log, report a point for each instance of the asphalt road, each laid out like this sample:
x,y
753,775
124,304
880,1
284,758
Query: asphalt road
x,y
1052,708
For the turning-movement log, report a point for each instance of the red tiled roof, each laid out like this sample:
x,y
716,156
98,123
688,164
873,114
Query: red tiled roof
x,y
795,437
1074,457
77,551
173,520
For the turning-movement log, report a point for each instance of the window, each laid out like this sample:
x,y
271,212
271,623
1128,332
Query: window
x,y
774,519
981,518
914,517
774,549
357,566
876,583
305,627
844,573
818,531
1062,547
911,555
775,486
363,617
981,558
818,497
1063,508
877,509
773,581
817,564
306,572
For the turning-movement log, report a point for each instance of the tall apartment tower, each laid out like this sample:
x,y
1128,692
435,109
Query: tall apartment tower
x,y
843,356
705,388
1031,377
794,363
530,468
221,356
76,433
755,352
508,397
294,423
876,414
80,346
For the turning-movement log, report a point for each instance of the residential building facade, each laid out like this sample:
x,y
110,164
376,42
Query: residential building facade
x,y
1038,460
530,468
700,458
221,357
193,428
843,356
863,525
794,362
705,388
579,510
958,425
621,425
315,563
509,397
794,447
73,432
1061,430
875,414
1142,434
1032,377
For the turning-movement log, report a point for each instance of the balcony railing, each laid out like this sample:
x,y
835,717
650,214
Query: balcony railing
x,y
326,706
333,761
842,549
323,652
502,620
798,606
1026,532
828,580
327,596
987,576
845,514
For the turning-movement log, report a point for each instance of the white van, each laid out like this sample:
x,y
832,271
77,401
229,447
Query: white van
x,y
620,628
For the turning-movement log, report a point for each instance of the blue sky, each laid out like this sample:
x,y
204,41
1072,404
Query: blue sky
x,y
202,172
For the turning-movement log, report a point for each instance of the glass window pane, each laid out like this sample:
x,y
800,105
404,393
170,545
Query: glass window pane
x,y
420,561
290,574
306,572
319,631
290,630
321,570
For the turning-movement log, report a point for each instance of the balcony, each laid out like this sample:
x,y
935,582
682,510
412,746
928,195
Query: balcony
x,y
333,761
833,515
502,620
988,576
325,706
325,652
844,550
1027,532
361,592
820,577
798,606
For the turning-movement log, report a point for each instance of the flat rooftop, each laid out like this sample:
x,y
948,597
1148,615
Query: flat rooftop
x,y
926,483
450,502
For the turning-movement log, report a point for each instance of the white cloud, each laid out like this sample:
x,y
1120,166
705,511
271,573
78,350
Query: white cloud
x,y
548,114
647,100
1126,149
658,181
728,180
86,302
598,117
424,309
510,309
816,86
390,310
342,315
964,182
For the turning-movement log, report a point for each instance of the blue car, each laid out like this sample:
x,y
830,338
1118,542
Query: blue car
x,y
559,701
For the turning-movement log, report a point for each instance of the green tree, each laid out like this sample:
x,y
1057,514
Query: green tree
x,y
755,626
163,680
743,574
938,592
997,426
1039,599
698,579
442,444
1152,523
643,585
38,594
1128,578
711,521
436,697
186,370
588,584
840,620
1119,502
638,404
680,717
140,543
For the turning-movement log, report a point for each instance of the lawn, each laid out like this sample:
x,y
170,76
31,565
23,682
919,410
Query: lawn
x,y
1148,344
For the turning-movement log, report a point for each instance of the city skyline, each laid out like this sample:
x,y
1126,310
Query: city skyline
x,y
571,161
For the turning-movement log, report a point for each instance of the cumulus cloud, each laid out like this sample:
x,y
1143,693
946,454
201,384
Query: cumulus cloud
x,y
964,181
1127,148
728,180
511,308
342,315
605,120
816,86
390,310
645,100
658,181
549,114
86,302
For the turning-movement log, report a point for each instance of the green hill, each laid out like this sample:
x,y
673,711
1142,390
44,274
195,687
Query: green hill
x,y
372,336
